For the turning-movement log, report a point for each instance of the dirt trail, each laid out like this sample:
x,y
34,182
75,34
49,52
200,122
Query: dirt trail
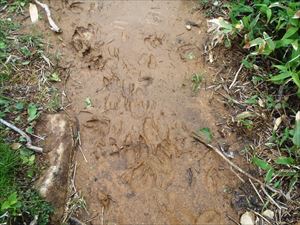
x,y
134,60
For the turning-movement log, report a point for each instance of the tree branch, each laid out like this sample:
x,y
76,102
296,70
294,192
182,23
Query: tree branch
x,y
23,134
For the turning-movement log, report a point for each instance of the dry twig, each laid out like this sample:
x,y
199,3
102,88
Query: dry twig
x,y
34,221
255,189
196,136
23,134
53,25
236,76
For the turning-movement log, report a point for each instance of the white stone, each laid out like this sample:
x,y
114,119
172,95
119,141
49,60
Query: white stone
x,y
188,26
268,213
248,218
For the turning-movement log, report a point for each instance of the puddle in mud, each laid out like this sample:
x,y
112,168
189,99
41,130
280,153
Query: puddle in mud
x,y
133,60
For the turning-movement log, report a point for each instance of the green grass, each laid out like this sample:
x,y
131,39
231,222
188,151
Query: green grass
x,y
15,6
267,33
197,79
9,162
270,32
26,91
18,203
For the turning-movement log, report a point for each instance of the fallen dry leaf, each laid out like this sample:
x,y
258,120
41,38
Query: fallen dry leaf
x,y
33,11
277,123
297,15
15,146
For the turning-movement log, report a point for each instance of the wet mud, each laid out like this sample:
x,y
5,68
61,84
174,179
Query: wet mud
x,y
131,64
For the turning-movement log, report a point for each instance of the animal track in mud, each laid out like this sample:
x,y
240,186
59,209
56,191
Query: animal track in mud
x,y
112,101
209,217
96,62
98,129
146,80
154,40
189,52
149,60
82,39
142,163
153,18
150,159
138,105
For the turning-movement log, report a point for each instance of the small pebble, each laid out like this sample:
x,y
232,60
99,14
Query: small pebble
x,y
248,218
268,213
216,3
188,26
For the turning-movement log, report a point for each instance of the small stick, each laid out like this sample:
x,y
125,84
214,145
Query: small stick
x,y
270,198
53,25
102,216
80,148
34,221
255,189
237,167
241,179
23,134
233,220
236,76
265,219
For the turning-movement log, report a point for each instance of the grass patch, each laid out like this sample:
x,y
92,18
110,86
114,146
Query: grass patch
x,y
26,76
197,79
18,203
266,92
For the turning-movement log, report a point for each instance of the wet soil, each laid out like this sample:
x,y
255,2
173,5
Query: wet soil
x,y
134,61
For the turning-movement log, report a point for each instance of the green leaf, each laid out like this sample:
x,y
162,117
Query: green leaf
x,y
296,137
290,32
25,51
269,14
261,163
31,160
277,184
283,43
24,152
257,41
296,79
295,45
269,175
281,77
247,64
32,112
254,22
287,173
282,160
206,134
11,200
54,77
293,181
29,130
24,63
264,9
19,106
2,45
282,68
4,102
252,100
88,103
227,42
244,115
269,41
190,56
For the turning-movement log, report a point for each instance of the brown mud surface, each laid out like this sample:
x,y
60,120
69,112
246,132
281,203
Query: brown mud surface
x,y
134,60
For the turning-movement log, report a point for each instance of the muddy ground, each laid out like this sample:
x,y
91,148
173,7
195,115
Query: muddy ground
x,y
129,87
